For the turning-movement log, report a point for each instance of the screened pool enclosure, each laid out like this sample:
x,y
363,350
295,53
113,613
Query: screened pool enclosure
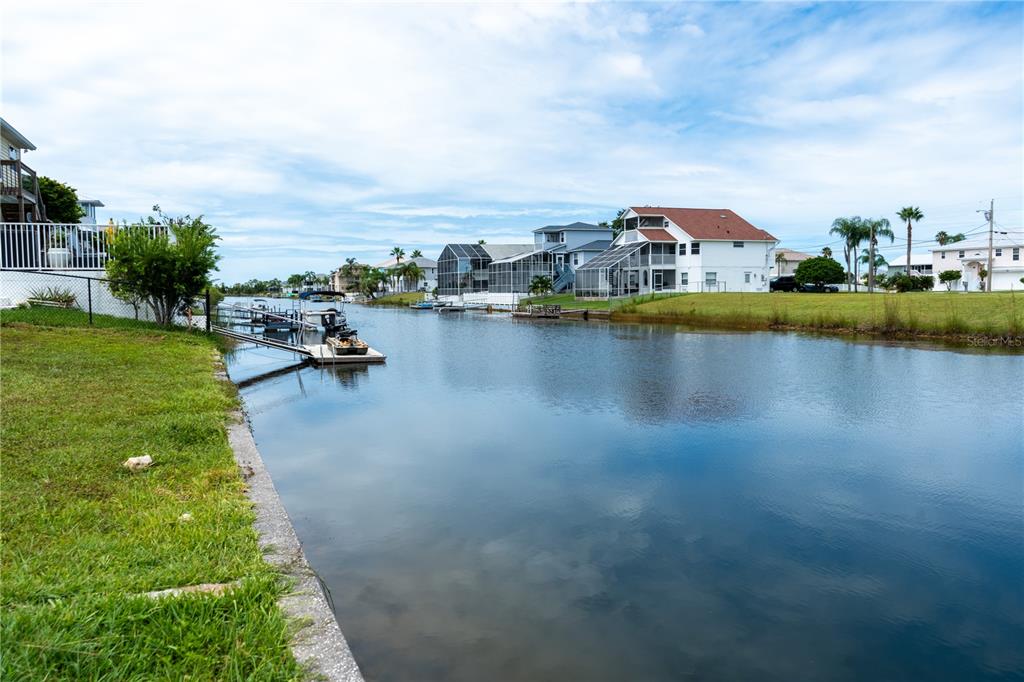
x,y
515,274
462,269
628,270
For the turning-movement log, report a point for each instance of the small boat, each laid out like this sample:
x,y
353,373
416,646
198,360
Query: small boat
x,y
422,305
347,346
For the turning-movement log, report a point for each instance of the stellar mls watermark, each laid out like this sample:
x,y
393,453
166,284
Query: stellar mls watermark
x,y
995,341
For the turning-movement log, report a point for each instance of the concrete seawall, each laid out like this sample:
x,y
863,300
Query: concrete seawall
x,y
319,644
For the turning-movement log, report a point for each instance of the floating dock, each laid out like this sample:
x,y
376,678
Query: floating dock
x,y
322,354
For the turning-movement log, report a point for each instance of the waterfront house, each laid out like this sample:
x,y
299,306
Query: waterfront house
x,y
427,265
680,249
347,279
786,261
971,256
19,185
920,264
464,268
562,242
89,207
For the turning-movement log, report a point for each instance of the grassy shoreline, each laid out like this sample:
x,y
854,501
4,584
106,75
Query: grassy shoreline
x,y
84,539
397,300
924,314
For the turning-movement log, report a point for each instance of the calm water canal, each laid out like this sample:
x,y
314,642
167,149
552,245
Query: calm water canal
x,y
509,500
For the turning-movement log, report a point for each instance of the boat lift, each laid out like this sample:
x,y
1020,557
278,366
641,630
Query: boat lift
x,y
320,353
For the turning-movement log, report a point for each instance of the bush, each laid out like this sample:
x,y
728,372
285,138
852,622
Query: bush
x,y
62,297
902,282
819,271
948,277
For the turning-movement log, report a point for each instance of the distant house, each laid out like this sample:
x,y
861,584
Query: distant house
x,y
464,268
920,264
89,207
970,257
427,265
679,249
344,279
562,241
19,185
789,262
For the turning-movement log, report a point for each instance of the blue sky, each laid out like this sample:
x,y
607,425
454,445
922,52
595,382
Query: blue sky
x,y
312,133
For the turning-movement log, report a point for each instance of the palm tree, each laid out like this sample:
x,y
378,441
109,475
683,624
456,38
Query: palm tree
x,y
540,285
865,258
410,272
942,237
399,253
826,252
416,254
480,241
911,214
876,228
780,259
850,230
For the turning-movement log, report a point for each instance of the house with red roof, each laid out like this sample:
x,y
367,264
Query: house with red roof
x,y
677,250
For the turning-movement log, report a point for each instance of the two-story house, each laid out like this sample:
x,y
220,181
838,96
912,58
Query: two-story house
x,y
569,247
19,186
680,249
89,207
971,257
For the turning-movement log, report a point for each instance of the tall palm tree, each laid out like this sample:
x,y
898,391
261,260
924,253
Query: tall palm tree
x,y
850,231
942,237
780,258
411,274
910,214
399,253
826,252
416,254
877,227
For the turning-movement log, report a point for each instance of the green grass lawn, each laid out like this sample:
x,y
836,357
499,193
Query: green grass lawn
x,y
939,313
569,302
400,300
82,537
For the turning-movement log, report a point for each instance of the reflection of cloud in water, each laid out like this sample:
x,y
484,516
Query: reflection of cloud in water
x,y
505,501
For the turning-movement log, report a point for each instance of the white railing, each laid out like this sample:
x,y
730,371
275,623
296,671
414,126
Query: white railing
x,y
58,246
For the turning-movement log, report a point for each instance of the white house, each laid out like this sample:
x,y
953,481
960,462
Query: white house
x,y
971,256
680,249
427,265
920,264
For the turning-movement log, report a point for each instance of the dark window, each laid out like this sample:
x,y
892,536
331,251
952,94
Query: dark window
x,y
695,248
682,249
999,252
1016,254
737,245
959,254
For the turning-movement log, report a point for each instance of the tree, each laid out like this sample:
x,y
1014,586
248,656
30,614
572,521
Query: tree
x,y
982,275
481,241
416,254
780,260
617,224
540,285
876,227
399,253
826,252
370,281
60,200
944,237
850,229
295,280
910,214
167,275
411,274
819,270
865,258
948,277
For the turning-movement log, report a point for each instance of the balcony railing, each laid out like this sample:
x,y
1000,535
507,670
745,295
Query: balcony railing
x,y
14,184
58,246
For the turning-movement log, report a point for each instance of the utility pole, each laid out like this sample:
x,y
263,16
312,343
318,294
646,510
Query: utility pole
x,y
991,226
871,259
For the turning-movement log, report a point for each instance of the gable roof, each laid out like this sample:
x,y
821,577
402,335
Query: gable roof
x,y
1000,240
597,245
657,235
570,227
792,256
9,132
709,223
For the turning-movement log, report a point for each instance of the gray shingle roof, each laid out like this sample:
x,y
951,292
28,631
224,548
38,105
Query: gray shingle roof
x,y
597,245
499,251
570,227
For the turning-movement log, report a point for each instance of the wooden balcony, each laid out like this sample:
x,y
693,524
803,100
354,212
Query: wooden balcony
x,y
19,192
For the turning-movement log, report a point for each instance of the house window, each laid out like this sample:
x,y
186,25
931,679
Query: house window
x,y
561,237
664,223
682,249
12,153
1015,254
746,278
710,279
645,278
999,252
695,248
737,245
684,278
943,255
575,259
959,254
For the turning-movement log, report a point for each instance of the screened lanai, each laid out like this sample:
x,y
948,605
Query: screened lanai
x,y
514,275
461,269
627,270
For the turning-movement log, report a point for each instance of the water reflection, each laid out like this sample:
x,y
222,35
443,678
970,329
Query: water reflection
x,y
509,501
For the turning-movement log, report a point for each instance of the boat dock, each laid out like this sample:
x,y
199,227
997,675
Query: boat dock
x,y
319,353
